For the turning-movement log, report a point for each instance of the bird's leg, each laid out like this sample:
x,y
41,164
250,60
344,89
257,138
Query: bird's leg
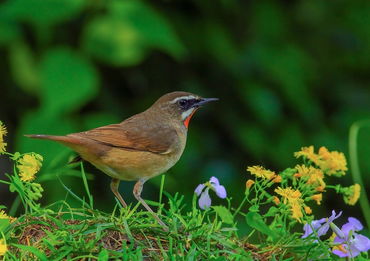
x,y
137,193
114,187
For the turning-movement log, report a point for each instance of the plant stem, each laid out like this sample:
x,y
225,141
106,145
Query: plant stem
x,y
355,167
240,206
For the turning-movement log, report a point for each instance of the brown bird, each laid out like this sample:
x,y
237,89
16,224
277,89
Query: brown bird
x,y
141,147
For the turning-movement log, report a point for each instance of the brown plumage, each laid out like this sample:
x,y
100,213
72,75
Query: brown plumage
x,y
143,146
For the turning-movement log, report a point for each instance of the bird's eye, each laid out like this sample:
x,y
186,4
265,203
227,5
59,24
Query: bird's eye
x,y
183,103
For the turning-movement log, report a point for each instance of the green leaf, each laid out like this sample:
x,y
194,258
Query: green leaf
x,y
254,208
68,81
129,30
224,214
4,223
256,221
23,67
103,255
272,212
150,24
9,31
41,12
114,41
33,250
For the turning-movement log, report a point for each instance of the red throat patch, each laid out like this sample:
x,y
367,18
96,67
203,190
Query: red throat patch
x,y
187,120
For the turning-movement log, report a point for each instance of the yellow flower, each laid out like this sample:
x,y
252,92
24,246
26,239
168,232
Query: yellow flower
x,y
261,172
3,247
3,215
293,199
296,208
277,179
288,193
249,183
28,165
352,194
332,162
317,198
308,210
276,200
3,133
313,175
308,153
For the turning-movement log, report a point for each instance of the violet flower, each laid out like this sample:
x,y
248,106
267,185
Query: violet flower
x,y
203,189
321,226
351,243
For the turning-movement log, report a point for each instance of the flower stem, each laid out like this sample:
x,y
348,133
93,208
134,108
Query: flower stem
x,y
240,206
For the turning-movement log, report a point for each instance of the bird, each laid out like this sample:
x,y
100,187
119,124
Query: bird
x,y
139,148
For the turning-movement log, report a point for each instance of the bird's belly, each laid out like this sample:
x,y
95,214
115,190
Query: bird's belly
x,y
134,165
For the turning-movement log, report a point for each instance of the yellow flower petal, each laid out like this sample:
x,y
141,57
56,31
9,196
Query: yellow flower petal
x,y
352,194
28,165
313,175
3,133
333,162
308,153
308,210
296,209
276,200
277,179
293,199
3,247
3,215
317,198
3,130
261,172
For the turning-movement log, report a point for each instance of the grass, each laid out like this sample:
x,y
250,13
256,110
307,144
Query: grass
x,y
60,232
275,208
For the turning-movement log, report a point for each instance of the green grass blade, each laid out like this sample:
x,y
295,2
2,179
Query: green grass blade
x,y
41,256
91,200
355,166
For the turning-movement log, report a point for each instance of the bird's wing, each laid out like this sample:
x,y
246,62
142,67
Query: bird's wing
x,y
155,139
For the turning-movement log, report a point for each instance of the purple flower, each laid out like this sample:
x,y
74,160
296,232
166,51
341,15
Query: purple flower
x,y
321,226
351,243
203,189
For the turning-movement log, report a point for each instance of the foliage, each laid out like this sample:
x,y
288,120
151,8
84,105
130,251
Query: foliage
x,y
287,74
62,232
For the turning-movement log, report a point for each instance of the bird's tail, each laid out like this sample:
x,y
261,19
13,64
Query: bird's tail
x,y
62,139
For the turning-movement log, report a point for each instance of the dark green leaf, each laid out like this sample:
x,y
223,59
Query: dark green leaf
x,y
224,214
42,12
68,81
256,221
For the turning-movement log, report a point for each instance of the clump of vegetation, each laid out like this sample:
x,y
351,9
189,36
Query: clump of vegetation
x,y
276,207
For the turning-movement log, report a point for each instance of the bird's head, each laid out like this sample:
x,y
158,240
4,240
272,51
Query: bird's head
x,y
180,105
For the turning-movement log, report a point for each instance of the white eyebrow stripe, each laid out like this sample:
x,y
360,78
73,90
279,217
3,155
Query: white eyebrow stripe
x,y
183,97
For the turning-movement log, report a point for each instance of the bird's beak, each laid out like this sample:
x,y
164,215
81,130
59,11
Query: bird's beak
x,y
203,101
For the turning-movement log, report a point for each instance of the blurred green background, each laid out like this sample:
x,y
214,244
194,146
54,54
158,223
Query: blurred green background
x,y
288,74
